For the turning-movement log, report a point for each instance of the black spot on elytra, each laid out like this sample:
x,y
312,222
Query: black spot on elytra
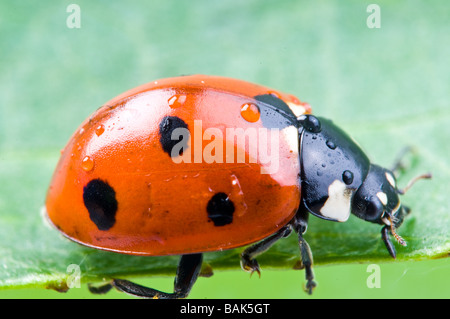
x,y
100,200
178,143
220,209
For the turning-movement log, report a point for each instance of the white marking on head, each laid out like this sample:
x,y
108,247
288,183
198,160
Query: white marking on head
x,y
383,198
337,206
390,179
386,221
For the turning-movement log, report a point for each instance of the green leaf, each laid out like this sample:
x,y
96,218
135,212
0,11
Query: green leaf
x,y
387,87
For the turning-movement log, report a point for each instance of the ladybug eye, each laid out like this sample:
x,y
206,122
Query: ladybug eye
x,y
374,209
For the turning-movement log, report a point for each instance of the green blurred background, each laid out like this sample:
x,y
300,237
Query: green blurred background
x,y
52,77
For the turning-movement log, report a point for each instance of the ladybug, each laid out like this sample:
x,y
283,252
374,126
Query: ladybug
x,y
194,164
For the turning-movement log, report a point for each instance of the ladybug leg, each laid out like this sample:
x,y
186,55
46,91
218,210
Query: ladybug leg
x,y
187,273
387,241
399,164
386,230
300,224
248,261
100,290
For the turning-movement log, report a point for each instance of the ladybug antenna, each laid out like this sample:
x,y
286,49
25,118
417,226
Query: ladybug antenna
x,y
412,182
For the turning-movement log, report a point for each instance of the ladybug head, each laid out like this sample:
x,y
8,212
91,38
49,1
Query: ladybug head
x,y
377,199
337,179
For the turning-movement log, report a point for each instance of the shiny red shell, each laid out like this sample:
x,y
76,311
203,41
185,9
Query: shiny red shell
x,y
162,203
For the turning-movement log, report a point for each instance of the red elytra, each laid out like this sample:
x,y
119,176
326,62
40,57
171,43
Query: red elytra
x,y
119,187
